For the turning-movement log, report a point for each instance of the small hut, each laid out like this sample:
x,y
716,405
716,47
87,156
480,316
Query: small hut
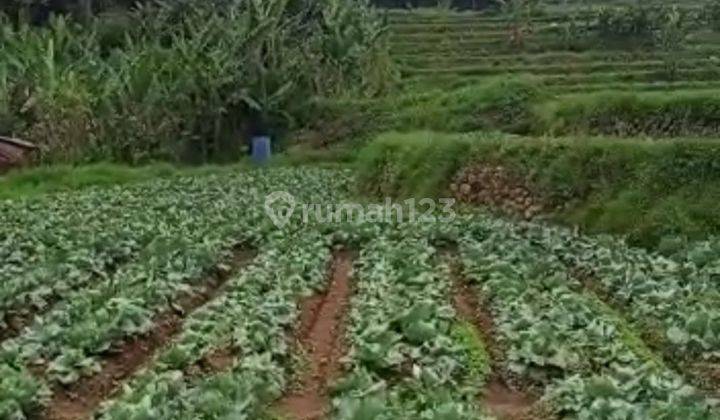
x,y
14,153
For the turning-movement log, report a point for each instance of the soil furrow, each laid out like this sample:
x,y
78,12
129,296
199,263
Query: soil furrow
x,y
320,337
81,399
217,361
502,395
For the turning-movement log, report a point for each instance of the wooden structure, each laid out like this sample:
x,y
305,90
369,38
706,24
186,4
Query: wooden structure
x,y
14,153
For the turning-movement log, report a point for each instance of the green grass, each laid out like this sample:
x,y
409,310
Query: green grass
x,y
496,43
701,52
680,87
412,27
467,35
648,190
48,179
533,105
589,67
438,16
420,167
475,349
659,79
63,178
496,104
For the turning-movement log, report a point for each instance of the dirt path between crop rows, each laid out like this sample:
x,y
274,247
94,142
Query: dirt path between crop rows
x,y
500,399
320,336
81,399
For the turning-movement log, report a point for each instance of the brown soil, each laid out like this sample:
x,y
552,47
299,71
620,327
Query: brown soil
x,y
217,361
220,360
506,403
498,187
500,399
81,399
320,336
16,321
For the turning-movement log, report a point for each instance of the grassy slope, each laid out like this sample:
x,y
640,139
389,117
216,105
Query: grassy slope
x,y
50,179
522,105
645,189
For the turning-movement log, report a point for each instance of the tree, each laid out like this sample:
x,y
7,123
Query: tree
x,y
671,38
712,14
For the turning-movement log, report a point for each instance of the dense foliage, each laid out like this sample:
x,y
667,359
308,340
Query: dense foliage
x,y
183,80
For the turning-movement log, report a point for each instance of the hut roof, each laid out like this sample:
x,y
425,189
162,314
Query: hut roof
x,y
17,143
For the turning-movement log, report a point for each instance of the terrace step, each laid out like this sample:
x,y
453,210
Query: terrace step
x,y
646,80
596,67
448,50
702,51
644,87
464,34
490,44
540,62
450,18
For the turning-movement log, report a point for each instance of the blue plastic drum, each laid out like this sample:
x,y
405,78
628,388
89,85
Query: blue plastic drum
x,y
261,150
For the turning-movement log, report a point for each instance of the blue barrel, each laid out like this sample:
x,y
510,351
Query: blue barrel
x,y
261,150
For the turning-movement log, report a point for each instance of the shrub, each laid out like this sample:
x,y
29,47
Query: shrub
x,y
671,37
573,30
629,21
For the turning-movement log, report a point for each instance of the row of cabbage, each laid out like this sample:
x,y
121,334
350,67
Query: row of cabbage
x,y
51,246
585,356
251,320
409,357
675,301
57,244
211,215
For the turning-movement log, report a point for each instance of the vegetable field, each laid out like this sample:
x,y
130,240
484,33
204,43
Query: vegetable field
x,y
182,300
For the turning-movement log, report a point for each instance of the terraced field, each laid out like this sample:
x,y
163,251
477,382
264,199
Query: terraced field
x,y
182,300
451,49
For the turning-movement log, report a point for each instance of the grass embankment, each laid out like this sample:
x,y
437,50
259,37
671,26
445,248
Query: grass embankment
x,y
523,105
59,178
645,189
48,179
